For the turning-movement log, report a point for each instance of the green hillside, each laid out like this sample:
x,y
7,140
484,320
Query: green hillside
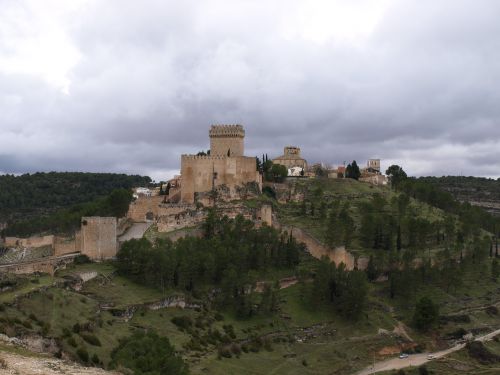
x,y
30,195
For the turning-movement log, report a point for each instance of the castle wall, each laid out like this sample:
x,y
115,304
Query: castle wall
x,y
64,246
35,241
198,173
142,206
99,237
266,214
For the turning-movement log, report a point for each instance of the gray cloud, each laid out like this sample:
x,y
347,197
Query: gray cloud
x,y
420,90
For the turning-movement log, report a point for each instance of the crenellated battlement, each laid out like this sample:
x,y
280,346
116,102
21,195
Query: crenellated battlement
x,y
227,131
202,157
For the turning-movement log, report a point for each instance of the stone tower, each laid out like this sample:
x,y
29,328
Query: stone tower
x,y
374,164
226,140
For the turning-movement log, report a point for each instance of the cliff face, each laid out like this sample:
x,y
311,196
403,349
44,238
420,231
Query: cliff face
x,y
478,191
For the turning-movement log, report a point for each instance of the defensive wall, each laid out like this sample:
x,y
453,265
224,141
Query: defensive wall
x,y
34,241
317,249
145,208
99,237
45,265
204,173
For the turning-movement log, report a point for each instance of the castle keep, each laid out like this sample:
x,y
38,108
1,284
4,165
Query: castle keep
x,y
225,166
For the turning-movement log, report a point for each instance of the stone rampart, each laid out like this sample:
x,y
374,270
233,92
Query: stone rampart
x,y
145,208
64,246
35,241
318,250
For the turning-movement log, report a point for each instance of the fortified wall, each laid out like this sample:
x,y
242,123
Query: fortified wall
x,y
99,237
35,241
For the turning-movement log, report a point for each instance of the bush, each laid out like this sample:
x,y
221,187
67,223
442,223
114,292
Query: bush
x,y
492,310
218,316
148,353
224,352
182,322
45,328
95,359
83,354
72,342
479,352
422,370
91,339
81,259
76,328
236,349
27,324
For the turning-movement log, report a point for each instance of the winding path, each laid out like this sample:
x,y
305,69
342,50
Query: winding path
x,y
418,359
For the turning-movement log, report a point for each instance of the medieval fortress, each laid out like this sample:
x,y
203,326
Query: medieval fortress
x,y
222,178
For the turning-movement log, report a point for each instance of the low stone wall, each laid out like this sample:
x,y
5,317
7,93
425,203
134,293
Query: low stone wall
x,y
45,265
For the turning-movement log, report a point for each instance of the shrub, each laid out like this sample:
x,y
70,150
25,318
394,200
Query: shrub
x,y
148,353
218,316
45,328
27,324
182,322
224,352
422,370
235,349
72,342
479,352
95,359
83,354
304,363
492,310
91,339
76,328
81,259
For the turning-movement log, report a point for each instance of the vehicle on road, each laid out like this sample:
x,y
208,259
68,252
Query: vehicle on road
x,y
403,356
430,356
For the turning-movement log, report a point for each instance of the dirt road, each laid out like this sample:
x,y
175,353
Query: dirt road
x,y
416,360
137,230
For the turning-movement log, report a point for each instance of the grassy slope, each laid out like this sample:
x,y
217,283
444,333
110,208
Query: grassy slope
x,y
344,190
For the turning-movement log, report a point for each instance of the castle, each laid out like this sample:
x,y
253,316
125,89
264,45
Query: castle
x,y
291,158
225,166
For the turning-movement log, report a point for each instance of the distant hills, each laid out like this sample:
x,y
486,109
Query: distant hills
x,y
40,194
478,191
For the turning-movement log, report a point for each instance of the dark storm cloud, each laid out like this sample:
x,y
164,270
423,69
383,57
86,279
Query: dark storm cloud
x,y
421,89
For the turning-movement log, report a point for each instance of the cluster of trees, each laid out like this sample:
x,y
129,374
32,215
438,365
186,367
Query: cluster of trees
x,y
271,172
346,291
148,353
230,255
430,190
67,220
42,192
352,171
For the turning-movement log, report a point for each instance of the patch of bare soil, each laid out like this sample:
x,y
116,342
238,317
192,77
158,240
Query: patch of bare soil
x,y
17,364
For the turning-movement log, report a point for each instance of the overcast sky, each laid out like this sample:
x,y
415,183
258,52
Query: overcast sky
x,y
128,86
